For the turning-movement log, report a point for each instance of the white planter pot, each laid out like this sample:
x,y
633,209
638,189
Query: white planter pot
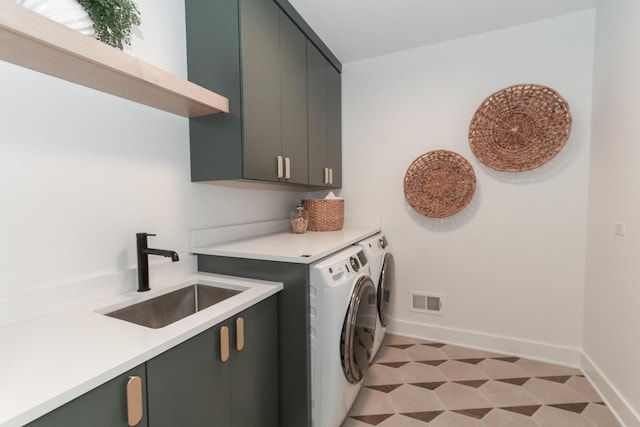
x,y
66,12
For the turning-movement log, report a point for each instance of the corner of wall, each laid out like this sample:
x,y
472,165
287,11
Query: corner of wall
x,y
612,397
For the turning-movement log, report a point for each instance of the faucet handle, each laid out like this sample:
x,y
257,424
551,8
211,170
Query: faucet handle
x,y
145,234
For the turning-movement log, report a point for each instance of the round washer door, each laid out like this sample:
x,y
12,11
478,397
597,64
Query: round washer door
x,y
358,330
385,288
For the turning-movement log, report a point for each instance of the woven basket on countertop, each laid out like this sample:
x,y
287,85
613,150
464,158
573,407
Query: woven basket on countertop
x,y
325,214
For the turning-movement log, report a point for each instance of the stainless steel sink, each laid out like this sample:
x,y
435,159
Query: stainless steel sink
x,y
168,308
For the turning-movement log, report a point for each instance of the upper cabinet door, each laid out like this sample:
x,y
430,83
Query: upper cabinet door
x,y
334,125
325,120
260,40
293,83
317,113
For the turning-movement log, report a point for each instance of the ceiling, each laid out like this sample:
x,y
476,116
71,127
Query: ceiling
x,y
359,29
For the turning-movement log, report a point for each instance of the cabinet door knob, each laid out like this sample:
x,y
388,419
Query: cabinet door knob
x,y
280,172
287,168
239,333
224,343
134,400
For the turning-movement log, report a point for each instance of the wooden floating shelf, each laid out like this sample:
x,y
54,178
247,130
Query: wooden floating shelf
x,y
38,43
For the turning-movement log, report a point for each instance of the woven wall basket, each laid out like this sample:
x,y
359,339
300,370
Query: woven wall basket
x,y
439,183
520,128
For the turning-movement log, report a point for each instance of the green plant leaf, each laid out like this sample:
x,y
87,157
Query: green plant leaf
x,y
113,20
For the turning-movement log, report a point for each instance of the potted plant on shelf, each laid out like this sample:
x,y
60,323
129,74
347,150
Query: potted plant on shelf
x,y
113,20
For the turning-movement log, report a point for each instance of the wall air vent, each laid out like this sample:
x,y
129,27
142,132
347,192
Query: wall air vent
x,y
428,303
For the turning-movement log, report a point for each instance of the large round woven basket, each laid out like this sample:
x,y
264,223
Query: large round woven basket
x,y
520,128
439,183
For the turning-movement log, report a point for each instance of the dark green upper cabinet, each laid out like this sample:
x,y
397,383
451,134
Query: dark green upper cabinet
x,y
261,99
293,80
254,53
325,120
334,126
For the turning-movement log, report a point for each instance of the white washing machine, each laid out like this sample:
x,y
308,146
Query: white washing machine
x,y
343,320
383,272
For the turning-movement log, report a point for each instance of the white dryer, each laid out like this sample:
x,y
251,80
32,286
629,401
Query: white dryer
x,y
382,266
343,320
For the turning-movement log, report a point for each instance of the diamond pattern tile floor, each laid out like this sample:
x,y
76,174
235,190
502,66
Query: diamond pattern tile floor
x,y
414,383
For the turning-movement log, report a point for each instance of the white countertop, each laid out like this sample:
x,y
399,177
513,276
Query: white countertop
x,y
286,246
50,360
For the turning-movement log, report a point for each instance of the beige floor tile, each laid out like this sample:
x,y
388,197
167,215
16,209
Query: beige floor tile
x,y
391,354
600,416
549,392
501,418
492,354
497,369
422,389
456,396
459,371
408,398
398,339
541,369
415,372
584,387
425,352
451,419
402,421
503,394
381,374
350,422
456,352
371,402
553,417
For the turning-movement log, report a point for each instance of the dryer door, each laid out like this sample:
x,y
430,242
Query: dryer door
x,y
387,283
358,330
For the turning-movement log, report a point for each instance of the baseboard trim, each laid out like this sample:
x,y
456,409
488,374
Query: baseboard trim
x,y
621,409
543,352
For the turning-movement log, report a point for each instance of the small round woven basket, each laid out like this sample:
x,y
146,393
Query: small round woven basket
x,y
439,183
520,128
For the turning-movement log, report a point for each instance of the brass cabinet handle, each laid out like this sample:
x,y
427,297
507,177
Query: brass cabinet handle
x,y
224,343
134,400
239,333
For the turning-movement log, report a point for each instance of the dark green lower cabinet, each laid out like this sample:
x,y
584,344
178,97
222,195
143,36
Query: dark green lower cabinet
x,y
104,406
191,385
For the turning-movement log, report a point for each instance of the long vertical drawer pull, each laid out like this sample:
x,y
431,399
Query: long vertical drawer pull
x,y
239,333
134,401
326,175
224,343
330,175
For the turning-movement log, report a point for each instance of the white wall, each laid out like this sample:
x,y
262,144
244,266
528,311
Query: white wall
x,y
612,309
511,265
81,172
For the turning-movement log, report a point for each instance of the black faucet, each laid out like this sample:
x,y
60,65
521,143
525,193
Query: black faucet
x,y
143,259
